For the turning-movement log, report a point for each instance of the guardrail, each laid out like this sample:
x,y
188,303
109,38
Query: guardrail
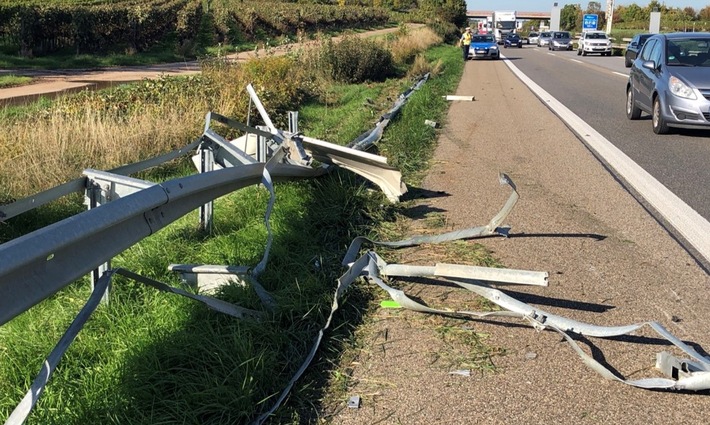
x,y
124,210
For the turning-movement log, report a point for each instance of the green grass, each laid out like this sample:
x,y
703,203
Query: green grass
x,y
7,81
67,59
154,358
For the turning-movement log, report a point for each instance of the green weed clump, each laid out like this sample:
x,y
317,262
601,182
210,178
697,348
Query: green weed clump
x,y
356,60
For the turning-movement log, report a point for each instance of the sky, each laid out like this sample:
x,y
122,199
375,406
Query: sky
x,y
546,5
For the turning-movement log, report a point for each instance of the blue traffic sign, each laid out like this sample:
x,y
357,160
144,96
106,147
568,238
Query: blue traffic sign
x,y
589,23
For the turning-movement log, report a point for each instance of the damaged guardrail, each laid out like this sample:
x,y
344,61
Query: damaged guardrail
x,y
124,210
682,374
297,150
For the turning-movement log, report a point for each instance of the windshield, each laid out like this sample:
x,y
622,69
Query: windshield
x,y
545,34
505,25
597,35
562,35
483,39
689,52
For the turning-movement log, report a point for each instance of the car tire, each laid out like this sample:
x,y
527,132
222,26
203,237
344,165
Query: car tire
x,y
584,53
627,62
659,124
579,52
633,112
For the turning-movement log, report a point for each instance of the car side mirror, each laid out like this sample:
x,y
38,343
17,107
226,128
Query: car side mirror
x,y
633,44
649,65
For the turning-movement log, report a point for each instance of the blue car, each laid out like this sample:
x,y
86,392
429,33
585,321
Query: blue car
x,y
484,46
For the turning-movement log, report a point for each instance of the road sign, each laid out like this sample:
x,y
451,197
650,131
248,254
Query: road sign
x,y
589,23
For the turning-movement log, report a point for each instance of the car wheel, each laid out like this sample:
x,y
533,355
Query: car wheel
x,y
659,124
584,53
579,52
632,111
627,62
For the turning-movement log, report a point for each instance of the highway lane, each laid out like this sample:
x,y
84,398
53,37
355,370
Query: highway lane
x,y
593,87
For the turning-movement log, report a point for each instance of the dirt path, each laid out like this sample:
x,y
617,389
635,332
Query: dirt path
x,y
53,83
610,263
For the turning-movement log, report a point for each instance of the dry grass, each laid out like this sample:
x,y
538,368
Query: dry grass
x,y
406,47
39,154
45,151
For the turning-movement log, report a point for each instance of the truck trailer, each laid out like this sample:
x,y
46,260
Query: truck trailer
x,y
504,22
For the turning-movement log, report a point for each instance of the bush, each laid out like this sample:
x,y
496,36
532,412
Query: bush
x,y
446,30
355,60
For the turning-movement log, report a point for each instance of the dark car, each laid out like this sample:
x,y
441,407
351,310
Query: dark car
x,y
670,79
513,40
634,47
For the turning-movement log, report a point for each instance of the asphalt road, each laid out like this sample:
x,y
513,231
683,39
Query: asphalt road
x,y
593,87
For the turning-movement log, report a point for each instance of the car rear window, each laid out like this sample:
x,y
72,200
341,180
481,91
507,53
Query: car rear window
x,y
596,35
482,38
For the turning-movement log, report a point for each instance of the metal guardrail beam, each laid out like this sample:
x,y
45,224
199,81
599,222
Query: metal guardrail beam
x,y
37,200
372,167
37,265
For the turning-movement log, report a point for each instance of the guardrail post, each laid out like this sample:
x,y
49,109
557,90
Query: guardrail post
x,y
293,122
94,200
206,210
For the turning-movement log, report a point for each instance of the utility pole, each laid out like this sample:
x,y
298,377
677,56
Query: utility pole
x,y
609,15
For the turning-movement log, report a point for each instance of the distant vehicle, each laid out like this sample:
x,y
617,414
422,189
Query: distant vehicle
x,y
532,37
594,42
560,40
544,39
634,47
670,79
484,46
513,40
504,22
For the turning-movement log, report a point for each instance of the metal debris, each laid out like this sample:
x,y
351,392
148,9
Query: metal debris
x,y
682,374
494,227
354,402
432,124
463,98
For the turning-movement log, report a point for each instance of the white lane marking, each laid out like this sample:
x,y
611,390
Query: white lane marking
x,y
621,73
576,60
691,225
551,54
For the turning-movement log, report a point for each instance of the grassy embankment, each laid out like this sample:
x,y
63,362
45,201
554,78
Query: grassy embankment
x,y
148,357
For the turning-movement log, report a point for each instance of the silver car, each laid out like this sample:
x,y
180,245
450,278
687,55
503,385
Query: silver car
x,y
670,79
532,37
544,39
560,40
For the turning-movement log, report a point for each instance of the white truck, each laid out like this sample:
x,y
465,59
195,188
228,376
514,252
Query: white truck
x,y
504,22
